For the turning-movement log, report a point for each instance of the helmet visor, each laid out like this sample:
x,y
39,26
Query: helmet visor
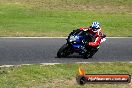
x,y
95,29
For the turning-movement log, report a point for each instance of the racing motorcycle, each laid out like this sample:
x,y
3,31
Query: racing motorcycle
x,y
76,41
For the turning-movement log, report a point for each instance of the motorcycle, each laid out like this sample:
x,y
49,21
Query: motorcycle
x,y
76,42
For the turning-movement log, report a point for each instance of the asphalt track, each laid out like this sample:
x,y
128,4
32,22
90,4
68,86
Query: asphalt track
x,y
43,50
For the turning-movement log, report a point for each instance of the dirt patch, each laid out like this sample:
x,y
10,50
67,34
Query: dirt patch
x,y
59,83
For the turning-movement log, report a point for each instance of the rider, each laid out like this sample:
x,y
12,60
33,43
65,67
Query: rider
x,y
95,31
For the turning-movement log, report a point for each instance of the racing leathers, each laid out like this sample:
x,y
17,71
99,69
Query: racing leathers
x,y
97,35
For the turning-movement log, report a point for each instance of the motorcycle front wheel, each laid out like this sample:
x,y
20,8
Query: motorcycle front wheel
x,y
64,51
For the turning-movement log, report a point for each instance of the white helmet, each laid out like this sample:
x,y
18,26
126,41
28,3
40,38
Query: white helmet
x,y
95,26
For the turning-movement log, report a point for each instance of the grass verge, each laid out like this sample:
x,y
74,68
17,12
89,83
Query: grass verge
x,y
56,76
52,18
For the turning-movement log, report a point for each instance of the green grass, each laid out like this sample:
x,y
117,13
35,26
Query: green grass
x,y
60,17
56,76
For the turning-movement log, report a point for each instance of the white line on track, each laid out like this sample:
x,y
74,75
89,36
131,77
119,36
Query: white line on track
x,y
42,64
48,37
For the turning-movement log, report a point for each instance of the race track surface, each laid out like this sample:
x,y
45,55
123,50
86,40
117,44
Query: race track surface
x,y
43,50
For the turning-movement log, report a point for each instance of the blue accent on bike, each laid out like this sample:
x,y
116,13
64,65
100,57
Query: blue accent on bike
x,y
76,46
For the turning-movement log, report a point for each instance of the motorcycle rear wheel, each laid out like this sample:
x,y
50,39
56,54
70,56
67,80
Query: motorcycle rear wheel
x,y
86,55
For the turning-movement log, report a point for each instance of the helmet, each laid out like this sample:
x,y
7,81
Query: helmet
x,y
95,26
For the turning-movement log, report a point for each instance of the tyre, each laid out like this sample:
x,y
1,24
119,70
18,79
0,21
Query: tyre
x,y
81,80
64,51
90,54
86,55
